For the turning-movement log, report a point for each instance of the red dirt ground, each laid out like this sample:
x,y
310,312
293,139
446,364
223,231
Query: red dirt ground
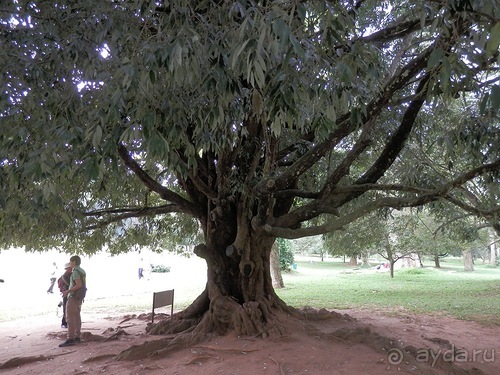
x,y
353,342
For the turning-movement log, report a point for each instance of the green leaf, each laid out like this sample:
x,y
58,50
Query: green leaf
x,y
302,11
297,47
280,28
493,42
435,58
175,56
259,67
445,75
483,103
96,139
495,98
235,57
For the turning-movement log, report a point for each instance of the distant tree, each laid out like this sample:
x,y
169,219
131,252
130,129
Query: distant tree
x,y
493,248
468,235
394,236
468,260
361,237
399,239
312,245
429,241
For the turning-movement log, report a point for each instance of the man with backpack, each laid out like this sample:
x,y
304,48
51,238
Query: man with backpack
x,y
76,294
63,284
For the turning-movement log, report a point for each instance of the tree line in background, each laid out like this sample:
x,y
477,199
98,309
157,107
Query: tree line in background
x,y
402,235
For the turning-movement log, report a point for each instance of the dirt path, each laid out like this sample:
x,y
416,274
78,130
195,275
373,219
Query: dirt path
x,y
351,343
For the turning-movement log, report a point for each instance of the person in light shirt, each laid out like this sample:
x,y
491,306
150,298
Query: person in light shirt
x,y
76,295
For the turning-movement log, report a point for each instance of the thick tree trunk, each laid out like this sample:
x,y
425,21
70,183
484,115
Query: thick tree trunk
x,y
364,260
353,261
239,289
421,265
436,261
275,268
493,249
468,261
493,254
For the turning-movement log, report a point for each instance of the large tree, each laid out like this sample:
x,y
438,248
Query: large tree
x,y
123,121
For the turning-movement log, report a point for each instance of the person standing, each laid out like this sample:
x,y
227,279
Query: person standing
x,y
141,270
64,285
53,278
76,294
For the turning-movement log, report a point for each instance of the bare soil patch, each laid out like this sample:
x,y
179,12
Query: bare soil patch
x,y
352,342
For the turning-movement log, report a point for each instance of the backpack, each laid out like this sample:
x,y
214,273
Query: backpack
x,y
80,293
63,283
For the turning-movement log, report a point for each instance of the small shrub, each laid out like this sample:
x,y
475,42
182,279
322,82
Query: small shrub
x,y
285,254
160,268
414,271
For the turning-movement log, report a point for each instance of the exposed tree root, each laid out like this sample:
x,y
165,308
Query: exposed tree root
x,y
280,365
19,361
117,334
99,358
264,319
143,350
227,350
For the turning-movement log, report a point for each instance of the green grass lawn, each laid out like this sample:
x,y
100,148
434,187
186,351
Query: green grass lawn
x,y
449,290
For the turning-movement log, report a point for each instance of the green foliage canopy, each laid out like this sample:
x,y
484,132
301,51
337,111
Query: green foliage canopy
x,y
119,119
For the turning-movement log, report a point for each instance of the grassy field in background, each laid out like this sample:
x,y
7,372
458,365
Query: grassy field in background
x,y
331,284
449,290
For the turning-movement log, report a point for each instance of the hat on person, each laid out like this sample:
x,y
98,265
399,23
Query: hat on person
x,y
67,265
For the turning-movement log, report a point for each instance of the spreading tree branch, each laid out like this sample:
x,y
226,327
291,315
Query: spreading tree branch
x,y
153,185
118,215
422,197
